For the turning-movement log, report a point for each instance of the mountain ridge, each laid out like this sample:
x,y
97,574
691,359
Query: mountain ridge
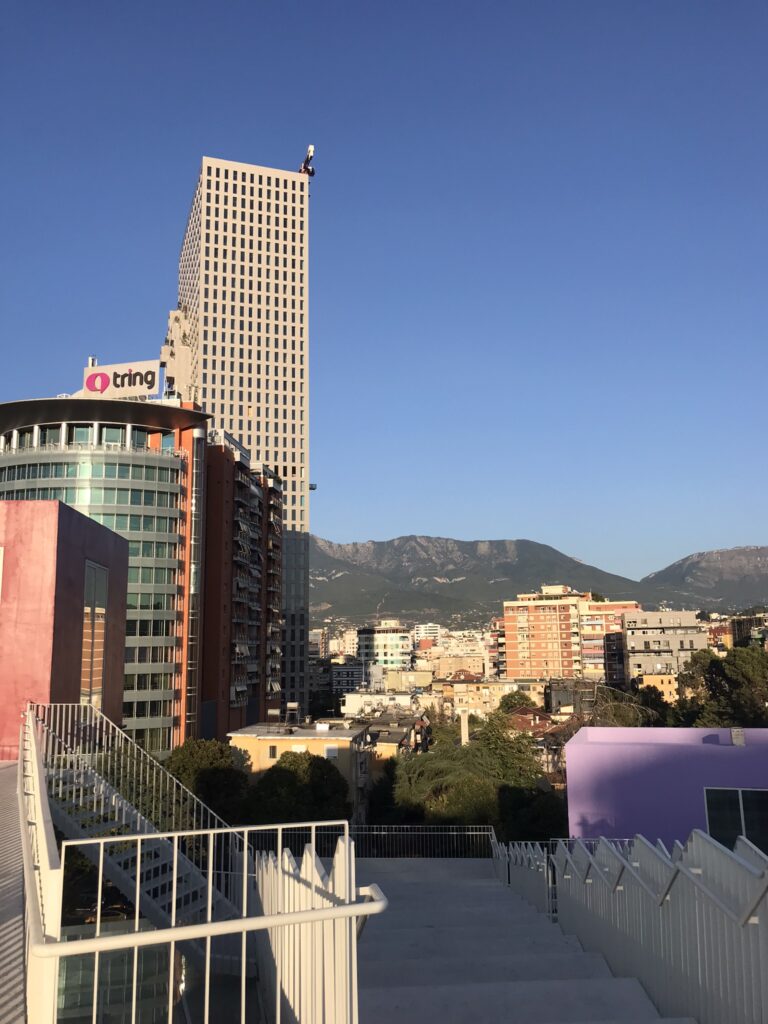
x,y
416,575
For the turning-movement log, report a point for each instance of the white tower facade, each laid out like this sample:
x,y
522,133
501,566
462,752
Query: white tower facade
x,y
243,289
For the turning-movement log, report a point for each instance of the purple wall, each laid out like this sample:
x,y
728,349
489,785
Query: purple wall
x,y
622,782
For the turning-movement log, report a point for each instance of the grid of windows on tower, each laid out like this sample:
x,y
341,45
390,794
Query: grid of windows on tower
x,y
246,245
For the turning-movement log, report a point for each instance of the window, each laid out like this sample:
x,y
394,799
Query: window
x,y
272,753
94,634
737,812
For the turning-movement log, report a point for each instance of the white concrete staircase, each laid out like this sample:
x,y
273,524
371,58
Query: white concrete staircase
x,y
457,947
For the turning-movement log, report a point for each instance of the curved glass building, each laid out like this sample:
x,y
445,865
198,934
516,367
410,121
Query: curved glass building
x,y
137,467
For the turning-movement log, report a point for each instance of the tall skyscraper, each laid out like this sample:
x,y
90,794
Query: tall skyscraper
x,y
238,344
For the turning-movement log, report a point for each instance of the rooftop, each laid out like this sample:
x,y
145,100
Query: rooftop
x,y
304,730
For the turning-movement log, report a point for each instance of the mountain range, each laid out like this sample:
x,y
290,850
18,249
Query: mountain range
x,y
465,582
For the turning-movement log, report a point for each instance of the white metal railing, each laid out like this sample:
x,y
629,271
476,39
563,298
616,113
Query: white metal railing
x,y
691,925
172,925
459,841
78,737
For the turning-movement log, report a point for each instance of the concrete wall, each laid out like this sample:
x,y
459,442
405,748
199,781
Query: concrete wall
x,y
44,549
622,782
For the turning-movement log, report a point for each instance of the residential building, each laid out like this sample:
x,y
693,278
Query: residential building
x,y
450,664
137,467
387,645
393,735
479,696
711,779
318,641
242,582
335,739
396,679
346,674
63,581
665,684
560,632
661,643
363,704
239,345
427,631
598,619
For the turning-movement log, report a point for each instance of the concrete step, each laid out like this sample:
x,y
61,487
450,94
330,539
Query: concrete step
x,y
468,915
518,1002
491,967
433,943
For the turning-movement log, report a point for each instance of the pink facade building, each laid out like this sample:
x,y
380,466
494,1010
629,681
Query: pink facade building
x,y
63,584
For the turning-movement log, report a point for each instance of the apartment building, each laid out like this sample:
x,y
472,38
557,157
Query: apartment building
x,y
559,632
243,607
239,345
387,645
660,643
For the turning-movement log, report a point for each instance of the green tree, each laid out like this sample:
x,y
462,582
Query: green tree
x,y
491,780
299,787
515,701
216,773
651,699
729,691
195,756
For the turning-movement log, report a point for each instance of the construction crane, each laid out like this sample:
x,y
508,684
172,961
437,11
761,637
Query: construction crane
x,y
306,165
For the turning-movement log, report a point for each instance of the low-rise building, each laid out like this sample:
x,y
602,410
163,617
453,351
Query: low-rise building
x,y
339,741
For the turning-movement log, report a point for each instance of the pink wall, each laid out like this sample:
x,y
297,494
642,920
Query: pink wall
x,y
44,548
623,781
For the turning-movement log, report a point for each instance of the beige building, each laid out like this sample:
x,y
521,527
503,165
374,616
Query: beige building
x,y
666,684
479,697
340,742
238,344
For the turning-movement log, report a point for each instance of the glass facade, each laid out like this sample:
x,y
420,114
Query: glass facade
x,y
139,486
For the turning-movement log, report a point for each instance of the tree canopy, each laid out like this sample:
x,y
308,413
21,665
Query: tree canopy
x,y
299,787
216,772
515,701
729,691
491,780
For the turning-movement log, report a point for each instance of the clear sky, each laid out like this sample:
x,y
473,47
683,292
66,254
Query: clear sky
x,y
538,244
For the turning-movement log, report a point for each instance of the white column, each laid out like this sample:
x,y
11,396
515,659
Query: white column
x,y
63,437
128,435
14,440
36,436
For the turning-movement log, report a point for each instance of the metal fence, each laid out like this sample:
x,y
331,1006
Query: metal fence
x,y
691,925
461,841
184,925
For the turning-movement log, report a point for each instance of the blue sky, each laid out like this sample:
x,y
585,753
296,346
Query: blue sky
x,y
538,244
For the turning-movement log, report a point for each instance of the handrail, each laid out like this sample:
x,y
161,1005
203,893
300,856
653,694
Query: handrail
x,y
286,922
212,929
663,917
86,716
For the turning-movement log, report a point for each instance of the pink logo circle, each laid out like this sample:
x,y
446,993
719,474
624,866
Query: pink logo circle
x,y
97,382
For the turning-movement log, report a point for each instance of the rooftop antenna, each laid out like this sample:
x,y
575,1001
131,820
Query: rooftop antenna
x,y
306,164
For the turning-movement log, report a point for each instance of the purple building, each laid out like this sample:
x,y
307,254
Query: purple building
x,y
662,783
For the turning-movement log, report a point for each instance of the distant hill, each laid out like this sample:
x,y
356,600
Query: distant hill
x,y
465,582
728,578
